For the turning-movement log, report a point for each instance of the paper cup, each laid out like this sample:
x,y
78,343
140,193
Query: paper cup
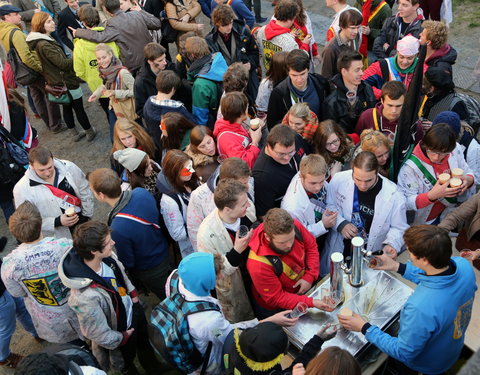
x,y
443,178
457,172
455,182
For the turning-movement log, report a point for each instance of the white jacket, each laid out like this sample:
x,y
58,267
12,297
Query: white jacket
x,y
389,221
473,159
412,182
297,203
47,203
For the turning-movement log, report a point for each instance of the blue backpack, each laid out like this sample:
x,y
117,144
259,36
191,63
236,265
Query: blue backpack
x,y
169,331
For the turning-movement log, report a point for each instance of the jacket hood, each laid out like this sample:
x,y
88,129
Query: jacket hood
x,y
34,37
273,29
35,180
197,272
211,67
72,272
420,17
418,152
446,54
213,180
5,29
146,71
163,185
223,125
337,81
442,282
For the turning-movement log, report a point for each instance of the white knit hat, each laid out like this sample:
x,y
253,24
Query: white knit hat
x,y
129,158
408,46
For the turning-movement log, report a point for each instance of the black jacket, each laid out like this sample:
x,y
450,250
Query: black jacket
x,y
443,58
281,101
390,34
336,105
65,19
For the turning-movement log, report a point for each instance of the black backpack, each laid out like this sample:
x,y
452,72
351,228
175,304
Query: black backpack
x,y
22,73
12,159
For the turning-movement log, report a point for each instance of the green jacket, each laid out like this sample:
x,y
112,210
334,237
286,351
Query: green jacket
x,y
57,68
377,21
28,57
85,61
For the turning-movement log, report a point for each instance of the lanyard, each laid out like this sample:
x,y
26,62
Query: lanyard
x,y
356,209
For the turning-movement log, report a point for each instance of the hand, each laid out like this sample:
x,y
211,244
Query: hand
x,y
323,305
349,231
352,323
135,300
281,319
304,286
92,98
185,18
470,255
366,30
467,182
37,10
426,125
129,332
390,251
247,66
388,263
439,191
256,136
72,30
68,221
327,332
242,243
329,218
317,60
385,46
307,39
200,26
298,369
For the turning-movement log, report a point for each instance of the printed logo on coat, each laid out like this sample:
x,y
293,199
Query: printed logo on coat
x,y
462,319
47,290
269,49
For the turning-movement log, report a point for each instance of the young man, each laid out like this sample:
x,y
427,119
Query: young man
x,y
306,196
434,319
56,187
68,17
167,82
299,86
338,6
30,271
220,233
351,96
439,52
201,200
275,167
275,36
105,301
294,246
408,21
347,39
141,245
206,72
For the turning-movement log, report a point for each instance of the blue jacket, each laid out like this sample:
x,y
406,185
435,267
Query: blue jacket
x,y
433,321
240,9
139,246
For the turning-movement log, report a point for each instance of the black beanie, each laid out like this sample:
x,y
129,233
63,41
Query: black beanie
x,y
440,78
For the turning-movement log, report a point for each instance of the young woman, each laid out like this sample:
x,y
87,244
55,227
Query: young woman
x,y
334,145
57,69
176,130
301,119
202,149
176,182
181,16
367,205
303,32
377,143
117,85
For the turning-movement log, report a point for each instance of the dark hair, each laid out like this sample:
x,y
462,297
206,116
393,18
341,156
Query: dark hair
x,y
351,17
137,177
172,164
233,105
235,78
440,138
222,15
227,192
25,224
346,58
324,130
278,69
286,10
153,51
38,22
282,135
105,181
177,126
301,15
277,221
394,90
42,364
89,15
298,60
234,168
429,242
366,161
112,6
88,237
333,361
166,81
197,135
40,154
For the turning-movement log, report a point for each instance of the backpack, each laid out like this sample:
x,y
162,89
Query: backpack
x,y
72,357
169,331
10,169
22,73
473,108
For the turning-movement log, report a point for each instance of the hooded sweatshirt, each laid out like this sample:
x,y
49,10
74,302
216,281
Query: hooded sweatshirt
x,y
444,57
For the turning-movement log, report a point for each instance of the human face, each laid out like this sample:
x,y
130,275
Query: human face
x,y
207,146
104,58
296,123
392,108
108,245
435,156
49,25
127,139
125,5
423,37
149,169
351,32
14,18
353,75
73,4
45,172
187,171
333,143
299,79
225,30
382,153
312,184
406,9
241,207
363,179
405,62
158,64
282,243
281,154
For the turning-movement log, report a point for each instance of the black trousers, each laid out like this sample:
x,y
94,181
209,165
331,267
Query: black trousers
x,y
77,106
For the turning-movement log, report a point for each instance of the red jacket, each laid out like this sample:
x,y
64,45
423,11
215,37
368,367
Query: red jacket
x,y
272,292
234,141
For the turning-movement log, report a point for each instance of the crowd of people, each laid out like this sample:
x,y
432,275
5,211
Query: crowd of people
x,y
236,171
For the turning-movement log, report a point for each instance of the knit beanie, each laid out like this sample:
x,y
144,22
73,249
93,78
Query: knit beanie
x,y
197,272
129,158
450,118
408,46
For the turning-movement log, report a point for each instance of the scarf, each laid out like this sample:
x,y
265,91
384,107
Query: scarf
x,y
409,70
109,74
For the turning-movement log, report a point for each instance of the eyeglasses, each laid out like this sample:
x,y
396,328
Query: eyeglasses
x,y
437,153
283,155
333,143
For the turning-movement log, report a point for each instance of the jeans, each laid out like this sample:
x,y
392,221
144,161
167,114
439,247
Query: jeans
x,y
9,308
8,208
155,278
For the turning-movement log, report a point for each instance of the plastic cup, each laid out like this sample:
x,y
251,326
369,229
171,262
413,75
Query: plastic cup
x,y
455,182
298,311
457,172
243,231
254,124
375,262
70,211
444,178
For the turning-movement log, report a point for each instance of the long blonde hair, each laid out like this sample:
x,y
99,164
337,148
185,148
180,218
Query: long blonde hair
x,y
144,141
372,139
